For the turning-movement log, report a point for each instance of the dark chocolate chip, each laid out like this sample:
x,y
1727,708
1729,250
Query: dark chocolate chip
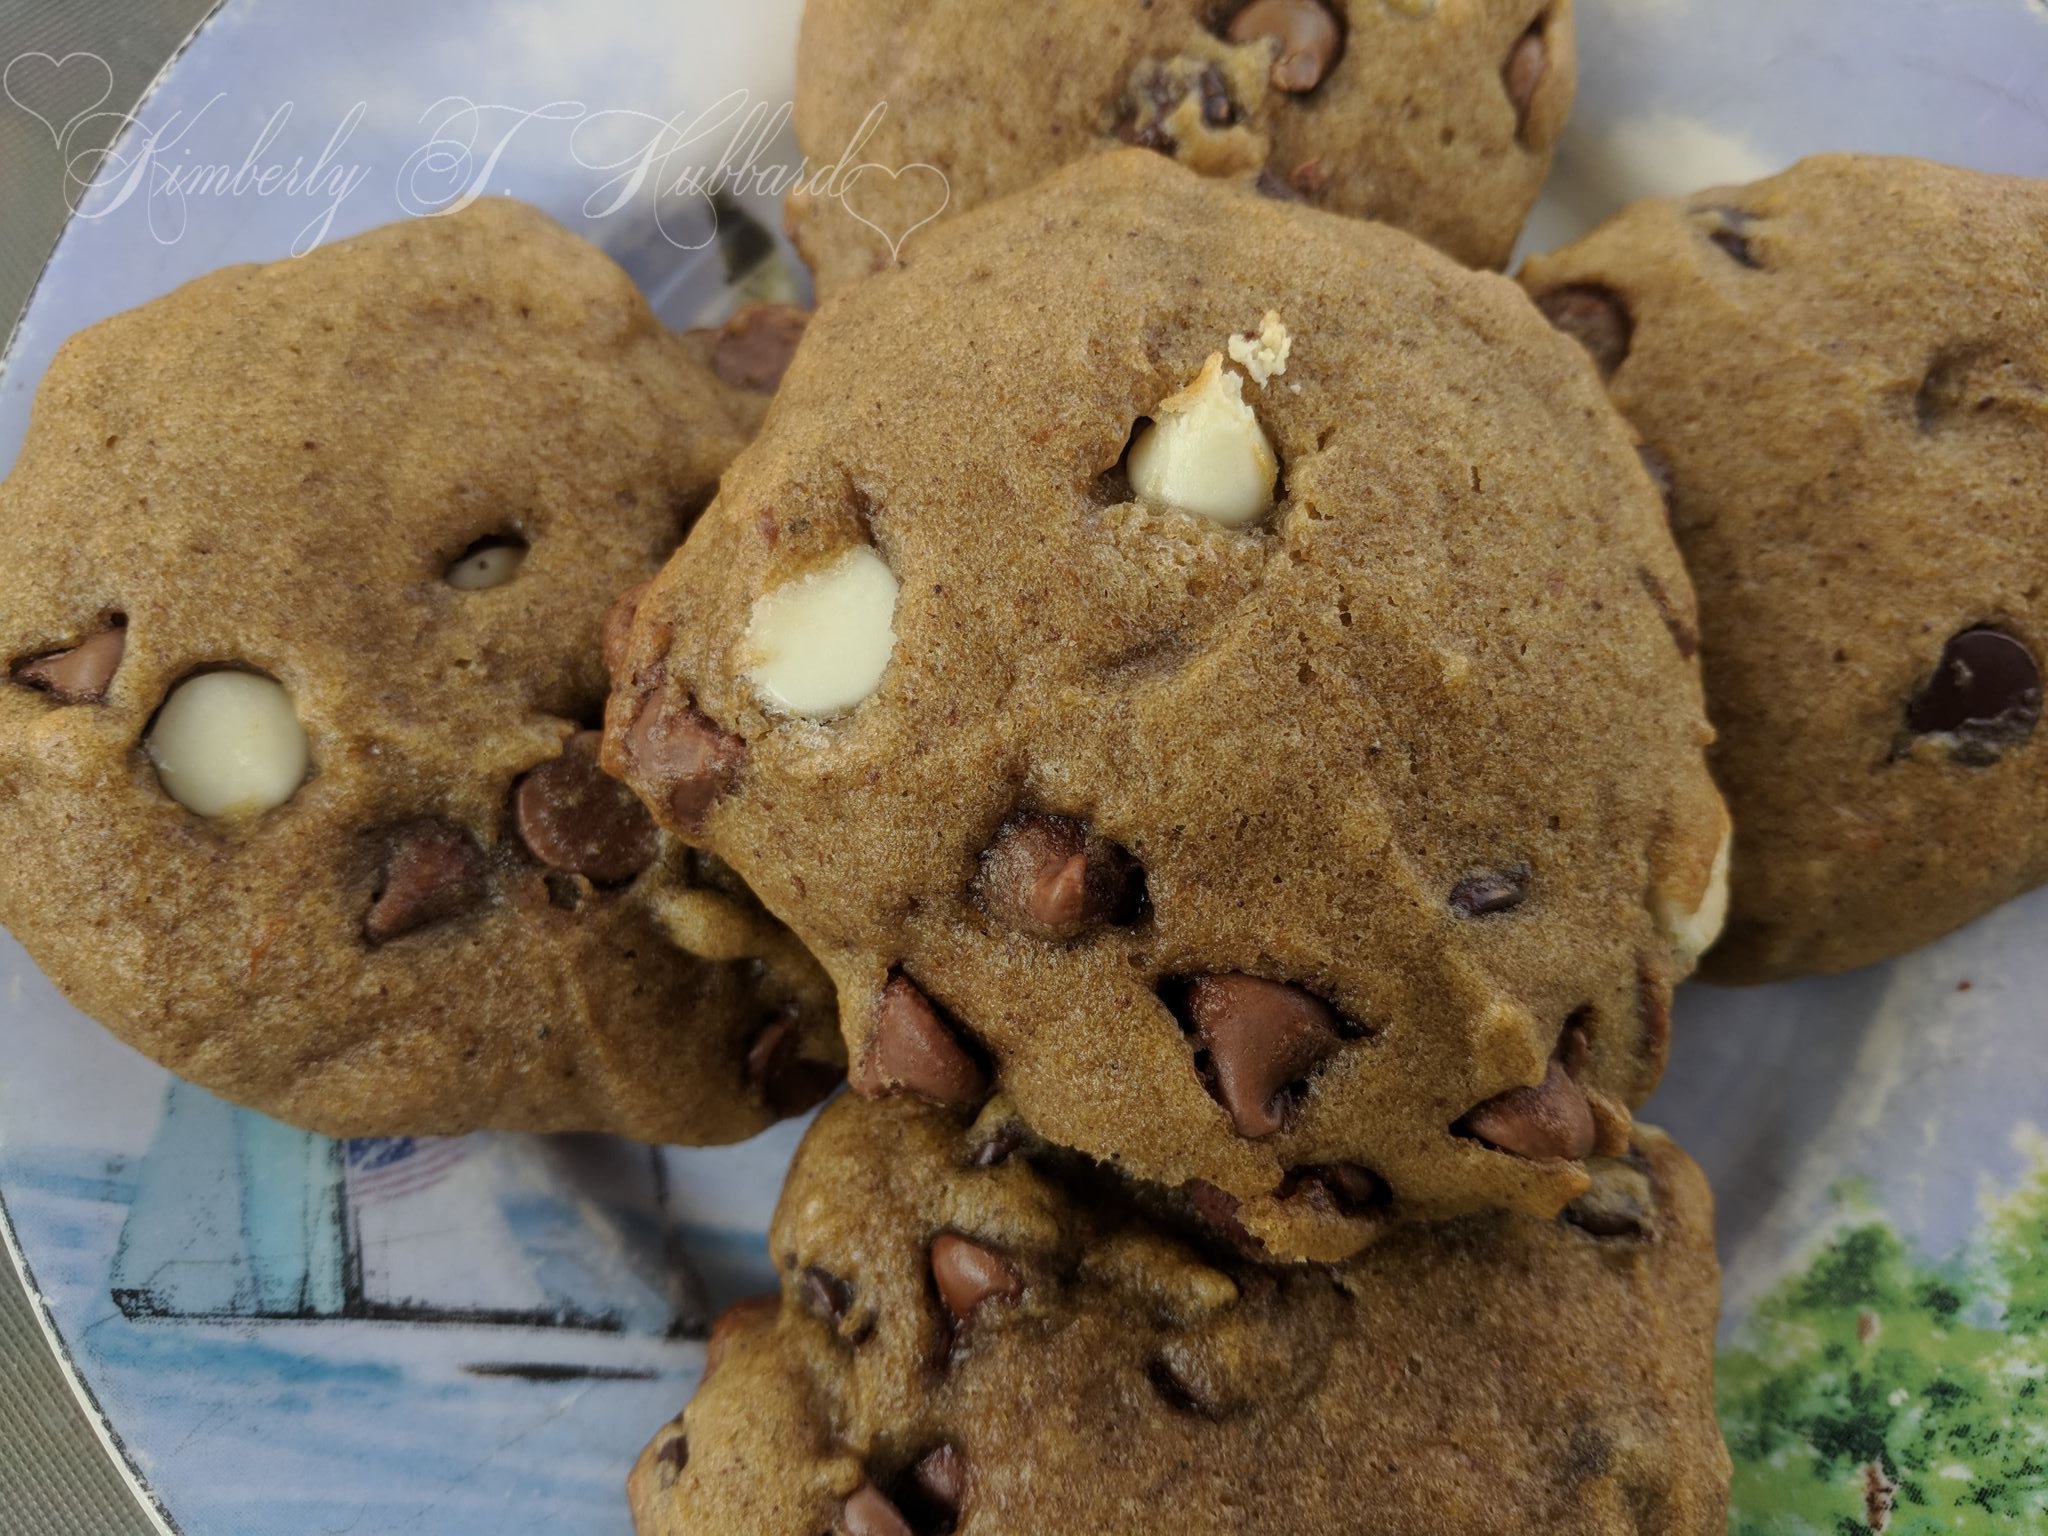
x,y
1491,892
998,1148
1271,185
788,1081
870,1512
755,346
672,1455
1595,318
1218,110
573,816
1608,1213
914,1050
1045,876
1261,1038
825,1295
1216,1207
968,1275
432,871
1551,1120
1527,63
941,1475
1308,34
1341,1189
678,760
1986,694
80,675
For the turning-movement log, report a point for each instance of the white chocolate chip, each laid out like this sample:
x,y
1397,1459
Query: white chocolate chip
x,y
1264,355
228,744
1206,453
818,645
1693,931
486,565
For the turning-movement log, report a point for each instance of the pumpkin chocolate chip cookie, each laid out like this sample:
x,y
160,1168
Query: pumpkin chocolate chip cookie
x,y
302,571
1438,116
1213,669
1844,372
977,1335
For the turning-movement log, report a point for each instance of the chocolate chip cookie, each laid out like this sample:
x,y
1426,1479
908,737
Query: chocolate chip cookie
x,y
1438,116
1843,372
302,571
1219,671
977,1336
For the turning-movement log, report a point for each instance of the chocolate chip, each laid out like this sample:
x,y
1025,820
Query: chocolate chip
x,y
618,626
1608,1213
1658,468
999,1147
1551,1120
1270,185
1175,1392
755,346
941,1475
681,762
1595,318
1218,110
575,817
80,675
734,1320
1528,62
913,1050
968,1274
432,872
1216,1207
869,1512
1986,694
1730,235
788,1081
1308,34
1046,877
829,1298
1491,892
672,1454
1261,1039
1340,1189
1677,621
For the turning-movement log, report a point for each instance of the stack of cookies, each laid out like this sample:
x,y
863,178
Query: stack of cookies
x,y
1190,696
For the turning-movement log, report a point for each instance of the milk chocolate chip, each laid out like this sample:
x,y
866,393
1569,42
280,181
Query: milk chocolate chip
x,y
788,1081
755,346
913,1050
1047,877
869,1512
1595,318
1986,693
80,675
968,1274
575,817
1551,1120
1261,1039
941,1476
1528,62
1308,34
679,760
1491,892
432,872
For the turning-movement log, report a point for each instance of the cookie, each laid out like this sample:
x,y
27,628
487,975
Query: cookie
x,y
978,1336
1843,372
302,570
1316,780
1438,116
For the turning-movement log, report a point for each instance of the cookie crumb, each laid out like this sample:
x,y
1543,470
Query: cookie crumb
x,y
1265,354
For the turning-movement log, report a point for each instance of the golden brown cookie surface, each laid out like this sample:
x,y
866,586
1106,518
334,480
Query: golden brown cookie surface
x,y
304,567
1438,116
978,1337
1370,828
1844,371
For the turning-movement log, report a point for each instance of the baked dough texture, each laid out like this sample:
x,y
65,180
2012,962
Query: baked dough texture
x,y
1844,371
1368,834
976,1336
1438,116
401,478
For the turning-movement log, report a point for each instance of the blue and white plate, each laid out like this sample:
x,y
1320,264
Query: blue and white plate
x,y
278,1334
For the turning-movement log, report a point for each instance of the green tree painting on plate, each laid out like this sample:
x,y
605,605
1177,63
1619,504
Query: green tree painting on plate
x,y
1877,1393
